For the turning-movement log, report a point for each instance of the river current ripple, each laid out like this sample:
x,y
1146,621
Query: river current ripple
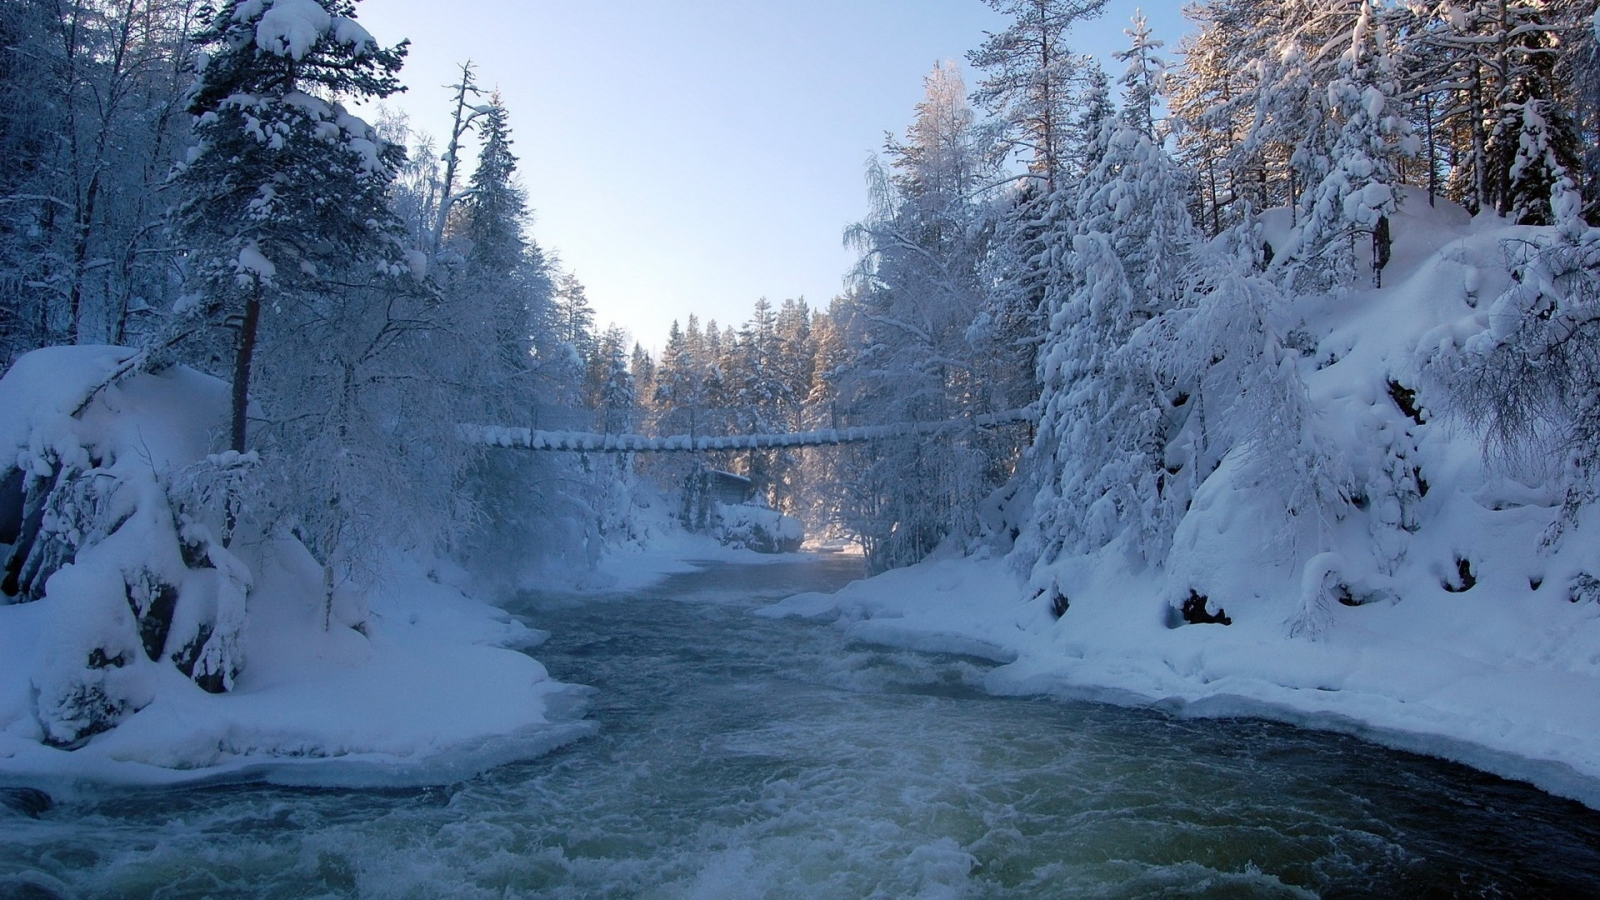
x,y
738,757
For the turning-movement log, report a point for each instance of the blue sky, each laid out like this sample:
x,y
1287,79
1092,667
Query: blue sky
x,y
692,155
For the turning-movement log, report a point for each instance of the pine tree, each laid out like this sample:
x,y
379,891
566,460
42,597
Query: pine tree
x,y
1144,82
925,351
1214,102
1547,152
1094,109
505,276
615,391
1032,78
495,208
1224,357
285,188
643,369
296,252
574,317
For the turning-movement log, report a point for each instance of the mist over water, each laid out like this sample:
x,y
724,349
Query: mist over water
x,y
743,757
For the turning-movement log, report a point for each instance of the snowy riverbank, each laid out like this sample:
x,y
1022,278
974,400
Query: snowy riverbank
x,y
434,691
1449,605
138,648
1395,676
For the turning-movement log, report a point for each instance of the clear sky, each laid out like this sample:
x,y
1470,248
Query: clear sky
x,y
692,155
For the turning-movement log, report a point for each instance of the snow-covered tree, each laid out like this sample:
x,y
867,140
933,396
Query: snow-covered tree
x,y
1213,103
299,264
610,382
1226,352
1531,380
1144,82
284,188
504,276
1100,455
1547,154
1356,195
643,369
91,122
573,317
923,354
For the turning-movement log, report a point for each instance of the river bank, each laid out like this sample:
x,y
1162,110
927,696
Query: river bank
x,y
1483,682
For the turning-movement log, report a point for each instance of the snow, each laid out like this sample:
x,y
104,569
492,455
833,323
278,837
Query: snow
x,y
253,266
1437,622
44,386
668,550
427,688
1390,674
347,31
758,528
291,27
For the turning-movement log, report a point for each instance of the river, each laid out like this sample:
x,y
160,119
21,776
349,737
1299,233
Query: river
x,y
740,757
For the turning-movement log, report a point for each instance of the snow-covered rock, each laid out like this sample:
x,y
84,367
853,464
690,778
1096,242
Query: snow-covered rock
x,y
758,528
147,637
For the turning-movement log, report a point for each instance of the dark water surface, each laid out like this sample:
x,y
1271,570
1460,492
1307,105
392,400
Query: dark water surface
x,y
739,757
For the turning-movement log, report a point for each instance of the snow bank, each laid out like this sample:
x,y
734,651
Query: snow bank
x,y
1431,614
138,646
1417,675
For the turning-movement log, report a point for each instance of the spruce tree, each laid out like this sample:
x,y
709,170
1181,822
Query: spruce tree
x,y
284,190
1356,195
1100,455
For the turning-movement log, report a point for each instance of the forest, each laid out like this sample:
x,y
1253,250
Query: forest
x,y
1208,273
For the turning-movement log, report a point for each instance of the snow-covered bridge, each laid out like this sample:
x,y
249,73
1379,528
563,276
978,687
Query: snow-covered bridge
x,y
589,442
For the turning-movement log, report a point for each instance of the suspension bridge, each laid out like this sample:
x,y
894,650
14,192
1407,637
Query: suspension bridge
x,y
581,441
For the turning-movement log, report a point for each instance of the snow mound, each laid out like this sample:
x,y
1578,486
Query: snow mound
x,y
758,528
144,639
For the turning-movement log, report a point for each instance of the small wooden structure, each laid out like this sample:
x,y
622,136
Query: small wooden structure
x,y
726,487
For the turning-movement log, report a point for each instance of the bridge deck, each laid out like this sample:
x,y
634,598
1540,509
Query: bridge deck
x,y
586,442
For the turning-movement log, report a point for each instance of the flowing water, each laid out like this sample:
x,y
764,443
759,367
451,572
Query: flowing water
x,y
739,757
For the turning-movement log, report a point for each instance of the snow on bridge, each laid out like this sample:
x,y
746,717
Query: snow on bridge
x,y
588,442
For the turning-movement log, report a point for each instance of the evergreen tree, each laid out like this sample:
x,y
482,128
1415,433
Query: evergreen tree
x,y
925,351
1356,195
1215,102
1144,82
1547,152
496,210
574,318
1032,78
285,189
1095,109
1101,452
615,391
643,369
295,252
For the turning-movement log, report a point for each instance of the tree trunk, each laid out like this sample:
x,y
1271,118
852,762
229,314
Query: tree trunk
x,y
241,366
